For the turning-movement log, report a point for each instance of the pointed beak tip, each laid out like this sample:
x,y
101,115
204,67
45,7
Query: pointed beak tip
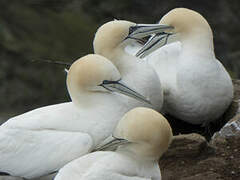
x,y
111,143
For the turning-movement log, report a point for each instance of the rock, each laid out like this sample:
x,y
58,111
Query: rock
x,y
203,176
191,157
231,129
184,152
190,145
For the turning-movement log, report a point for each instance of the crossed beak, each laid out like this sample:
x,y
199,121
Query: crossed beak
x,y
158,33
156,41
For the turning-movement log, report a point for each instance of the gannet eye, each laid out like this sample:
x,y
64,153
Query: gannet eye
x,y
110,82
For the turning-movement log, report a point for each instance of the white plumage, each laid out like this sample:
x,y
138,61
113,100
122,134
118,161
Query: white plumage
x,y
43,140
197,88
148,135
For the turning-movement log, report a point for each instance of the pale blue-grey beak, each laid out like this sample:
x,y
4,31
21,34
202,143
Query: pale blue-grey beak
x,y
120,87
111,144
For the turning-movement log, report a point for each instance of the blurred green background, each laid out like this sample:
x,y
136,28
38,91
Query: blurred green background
x,y
64,30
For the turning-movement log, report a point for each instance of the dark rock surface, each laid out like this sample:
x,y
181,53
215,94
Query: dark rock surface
x,y
191,157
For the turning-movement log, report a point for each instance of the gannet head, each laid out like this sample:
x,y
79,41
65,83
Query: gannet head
x,y
185,21
110,36
95,74
116,35
187,25
144,132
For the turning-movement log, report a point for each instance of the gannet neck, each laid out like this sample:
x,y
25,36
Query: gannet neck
x,y
84,77
84,100
192,30
123,61
109,38
148,131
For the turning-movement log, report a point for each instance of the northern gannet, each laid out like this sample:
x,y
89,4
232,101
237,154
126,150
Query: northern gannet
x,y
142,135
41,141
197,88
111,40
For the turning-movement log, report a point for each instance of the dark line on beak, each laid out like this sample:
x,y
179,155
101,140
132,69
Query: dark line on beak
x,y
153,45
105,82
118,138
109,82
167,36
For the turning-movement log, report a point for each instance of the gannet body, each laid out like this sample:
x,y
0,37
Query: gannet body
x,y
142,135
197,88
110,41
41,141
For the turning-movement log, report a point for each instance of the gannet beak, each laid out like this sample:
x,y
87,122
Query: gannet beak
x,y
119,87
111,144
140,31
155,42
